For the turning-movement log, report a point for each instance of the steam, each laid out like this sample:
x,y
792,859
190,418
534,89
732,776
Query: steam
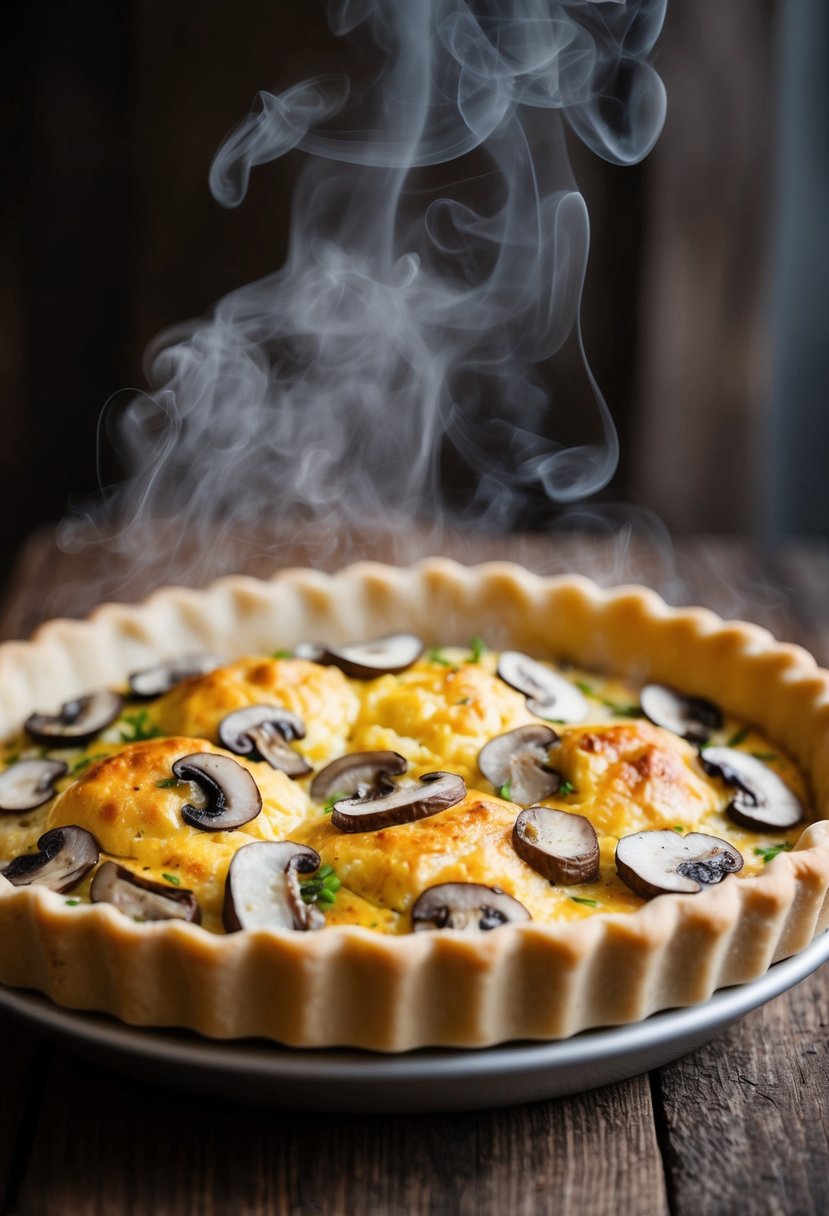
x,y
421,303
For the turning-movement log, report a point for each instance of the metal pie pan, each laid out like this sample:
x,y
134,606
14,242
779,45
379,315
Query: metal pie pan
x,y
424,1080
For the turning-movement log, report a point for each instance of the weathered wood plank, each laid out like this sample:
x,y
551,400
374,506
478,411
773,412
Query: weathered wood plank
x,y
129,1149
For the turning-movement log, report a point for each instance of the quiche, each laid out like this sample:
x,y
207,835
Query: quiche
x,y
394,808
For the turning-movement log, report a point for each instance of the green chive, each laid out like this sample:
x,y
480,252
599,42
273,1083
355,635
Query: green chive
x,y
324,871
587,689
168,783
566,788
435,655
738,737
579,899
769,854
764,755
679,828
72,903
84,762
282,654
505,791
477,646
326,897
332,883
12,758
173,878
623,711
329,806
463,701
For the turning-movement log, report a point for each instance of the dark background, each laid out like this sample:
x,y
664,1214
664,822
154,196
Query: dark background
x,y
109,234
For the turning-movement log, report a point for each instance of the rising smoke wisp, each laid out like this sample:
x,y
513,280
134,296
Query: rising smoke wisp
x,y
404,319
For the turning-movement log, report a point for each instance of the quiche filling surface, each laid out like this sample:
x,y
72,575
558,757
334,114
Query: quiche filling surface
x,y
624,773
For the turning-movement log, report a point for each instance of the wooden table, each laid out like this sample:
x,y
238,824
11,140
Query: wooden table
x,y
742,1125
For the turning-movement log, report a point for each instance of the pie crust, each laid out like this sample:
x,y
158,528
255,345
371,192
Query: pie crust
x,y
349,986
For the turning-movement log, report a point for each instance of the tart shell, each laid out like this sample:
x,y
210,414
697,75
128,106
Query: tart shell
x,y
348,986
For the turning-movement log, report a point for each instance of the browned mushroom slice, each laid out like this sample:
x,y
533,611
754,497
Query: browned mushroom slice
x,y
28,784
762,800
663,862
383,656
467,907
358,775
693,718
433,792
141,899
266,730
561,846
65,856
548,694
520,759
77,722
157,680
262,889
232,796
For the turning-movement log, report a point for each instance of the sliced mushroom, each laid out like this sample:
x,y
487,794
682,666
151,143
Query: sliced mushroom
x,y
548,694
693,718
155,681
663,862
520,759
762,799
359,775
262,890
466,906
561,846
432,793
78,721
232,796
383,656
29,783
266,730
65,856
140,898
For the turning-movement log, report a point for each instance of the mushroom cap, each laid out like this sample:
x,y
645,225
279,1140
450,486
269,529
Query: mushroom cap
x,y
549,695
155,681
65,856
77,722
365,660
262,890
467,907
140,898
266,730
29,783
358,774
404,804
559,845
662,862
232,795
762,800
520,758
692,718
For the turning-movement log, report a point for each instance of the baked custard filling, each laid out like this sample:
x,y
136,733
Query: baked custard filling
x,y
388,786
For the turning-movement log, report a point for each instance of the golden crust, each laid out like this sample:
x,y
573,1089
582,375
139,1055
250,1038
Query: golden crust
x,y
350,986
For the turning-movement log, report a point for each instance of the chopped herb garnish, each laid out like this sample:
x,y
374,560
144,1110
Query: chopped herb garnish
x,y
506,791
329,806
764,755
84,762
579,899
282,654
435,655
584,687
137,727
12,758
738,737
463,701
71,903
566,788
168,783
322,888
769,854
173,878
623,711
679,828
477,646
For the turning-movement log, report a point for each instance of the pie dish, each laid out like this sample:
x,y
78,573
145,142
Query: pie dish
x,y
589,947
